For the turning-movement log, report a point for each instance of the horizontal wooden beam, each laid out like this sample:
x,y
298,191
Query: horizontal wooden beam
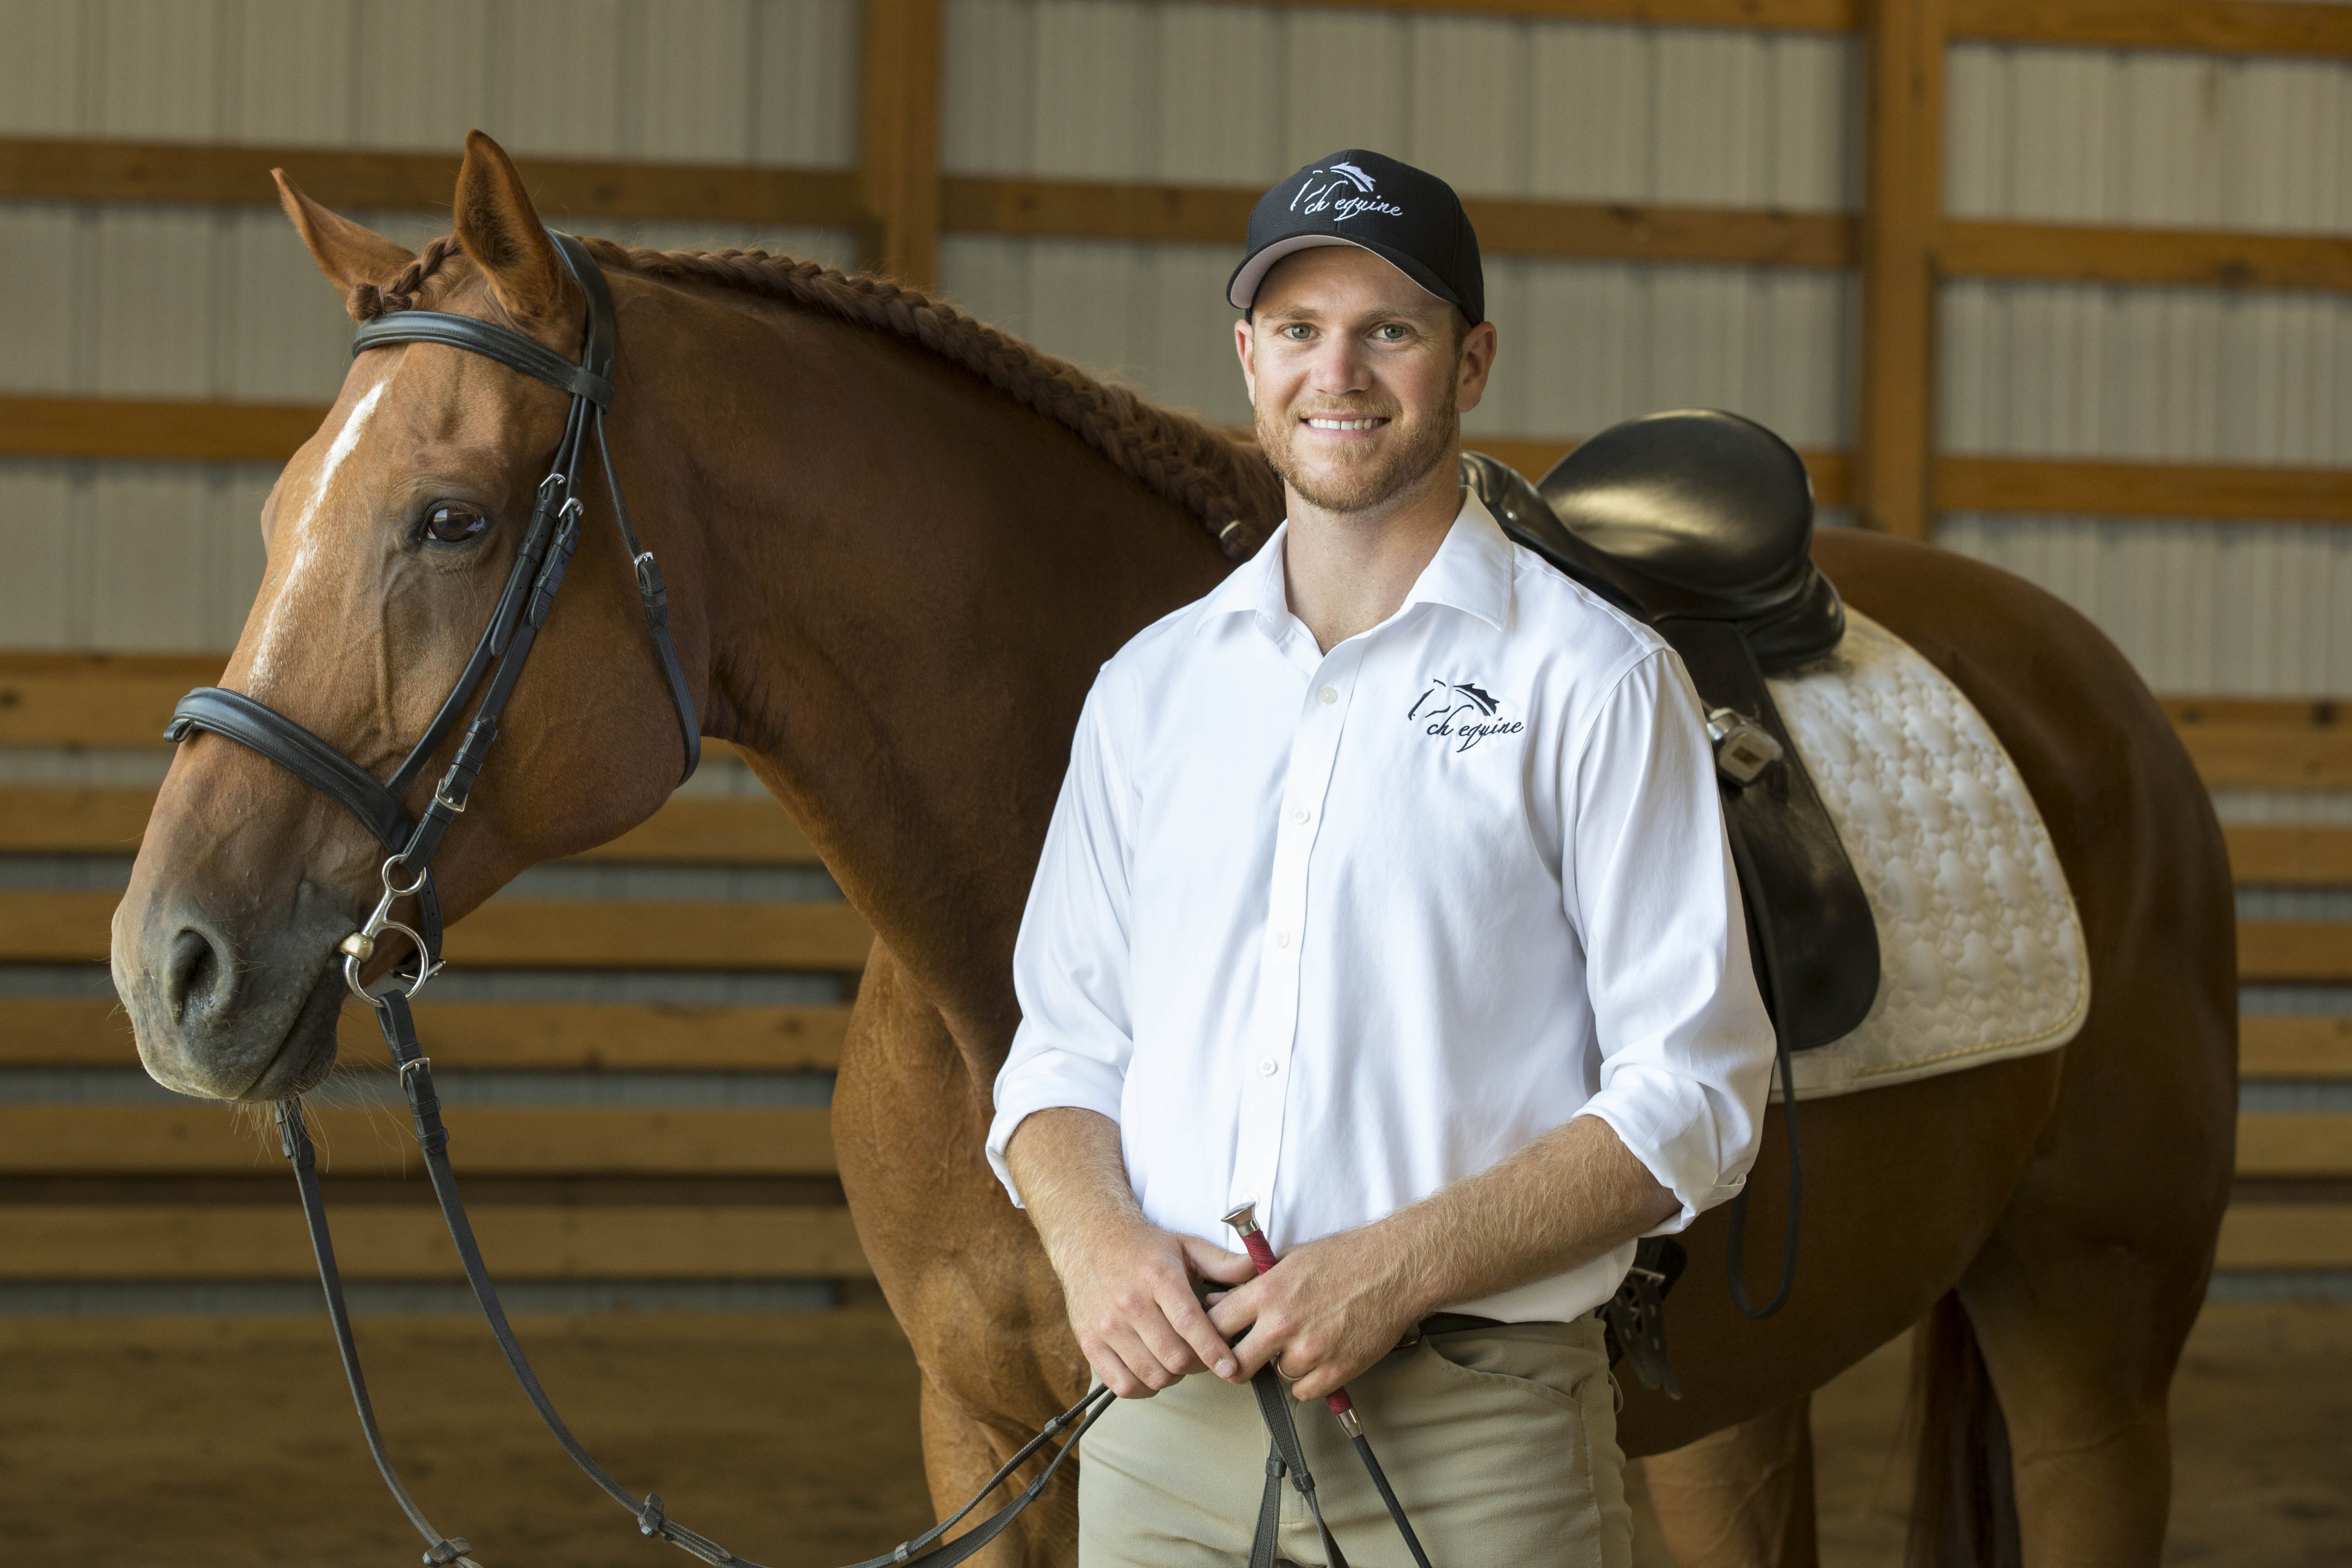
x,y
2265,744
528,933
2294,952
2286,1236
2302,1143
158,428
2080,253
36,1031
2222,26
2289,1045
1212,214
375,1241
1766,15
95,699
2268,855
493,1139
689,829
2099,487
220,175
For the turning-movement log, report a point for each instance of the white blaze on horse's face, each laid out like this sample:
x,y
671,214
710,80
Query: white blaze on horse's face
x,y
279,634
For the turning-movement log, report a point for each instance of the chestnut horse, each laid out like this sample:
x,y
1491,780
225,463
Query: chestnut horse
x,y
898,544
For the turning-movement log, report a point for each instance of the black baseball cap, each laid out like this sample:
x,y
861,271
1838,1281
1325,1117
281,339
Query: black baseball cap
x,y
1407,217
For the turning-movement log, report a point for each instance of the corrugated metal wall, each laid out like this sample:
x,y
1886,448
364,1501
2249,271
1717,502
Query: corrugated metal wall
x,y
143,300
1210,94
156,301
2188,375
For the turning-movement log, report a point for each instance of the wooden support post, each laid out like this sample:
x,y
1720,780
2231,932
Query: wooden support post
x,y
1902,212
899,150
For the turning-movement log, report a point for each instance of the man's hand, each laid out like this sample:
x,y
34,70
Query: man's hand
x,y
1130,1290
1324,1313
1128,1283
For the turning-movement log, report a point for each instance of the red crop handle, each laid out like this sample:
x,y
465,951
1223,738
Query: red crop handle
x,y
1261,1251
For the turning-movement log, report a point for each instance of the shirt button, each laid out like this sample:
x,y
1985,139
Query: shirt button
x,y
1329,695
1301,814
1268,1067
1282,939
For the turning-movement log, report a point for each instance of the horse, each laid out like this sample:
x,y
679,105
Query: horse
x,y
898,542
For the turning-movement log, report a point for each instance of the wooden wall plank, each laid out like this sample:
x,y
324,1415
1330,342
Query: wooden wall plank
x,y
2286,1236
2295,952
899,147
2269,854
2265,493
1901,214
45,1031
95,700
1767,15
106,1241
220,174
528,933
2227,26
2108,254
164,428
2275,1046
503,1139
2313,1144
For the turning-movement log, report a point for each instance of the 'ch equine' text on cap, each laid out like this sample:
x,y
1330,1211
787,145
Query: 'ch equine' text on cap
x,y
1407,217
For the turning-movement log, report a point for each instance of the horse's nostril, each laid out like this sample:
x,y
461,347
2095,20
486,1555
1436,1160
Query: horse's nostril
x,y
199,979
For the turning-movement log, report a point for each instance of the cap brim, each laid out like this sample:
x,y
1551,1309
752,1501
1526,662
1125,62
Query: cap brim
x,y
1241,291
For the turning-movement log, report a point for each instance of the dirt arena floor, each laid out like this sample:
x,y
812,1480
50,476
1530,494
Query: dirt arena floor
x,y
187,1442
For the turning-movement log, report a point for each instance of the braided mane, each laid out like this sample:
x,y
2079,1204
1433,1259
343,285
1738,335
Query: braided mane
x,y
1224,482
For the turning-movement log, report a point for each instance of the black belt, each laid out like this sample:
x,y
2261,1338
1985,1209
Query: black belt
x,y
1446,1323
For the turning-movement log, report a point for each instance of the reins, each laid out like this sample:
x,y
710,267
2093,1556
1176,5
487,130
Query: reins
x,y
546,552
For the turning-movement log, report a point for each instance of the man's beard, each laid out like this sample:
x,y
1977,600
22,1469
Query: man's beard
x,y
1376,475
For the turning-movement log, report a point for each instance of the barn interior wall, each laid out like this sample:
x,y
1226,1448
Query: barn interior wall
x,y
167,302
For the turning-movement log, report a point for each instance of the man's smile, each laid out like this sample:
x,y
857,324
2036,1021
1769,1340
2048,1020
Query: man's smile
x,y
1334,423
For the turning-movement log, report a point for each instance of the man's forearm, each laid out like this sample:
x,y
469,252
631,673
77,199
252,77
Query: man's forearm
x,y
1563,1200
1072,1174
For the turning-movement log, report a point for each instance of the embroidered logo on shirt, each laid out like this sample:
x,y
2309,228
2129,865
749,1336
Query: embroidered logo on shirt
x,y
1461,712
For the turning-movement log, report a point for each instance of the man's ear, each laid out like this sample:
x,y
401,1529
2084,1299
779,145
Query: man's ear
x,y
349,253
501,230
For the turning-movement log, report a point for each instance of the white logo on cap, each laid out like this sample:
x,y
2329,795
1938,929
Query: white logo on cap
x,y
1314,197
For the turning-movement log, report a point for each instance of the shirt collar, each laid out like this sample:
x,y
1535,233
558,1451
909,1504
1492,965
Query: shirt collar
x,y
1471,572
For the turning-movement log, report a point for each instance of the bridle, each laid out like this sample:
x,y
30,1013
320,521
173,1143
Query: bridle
x,y
499,658
505,644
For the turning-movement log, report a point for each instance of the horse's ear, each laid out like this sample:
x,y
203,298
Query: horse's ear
x,y
501,230
349,253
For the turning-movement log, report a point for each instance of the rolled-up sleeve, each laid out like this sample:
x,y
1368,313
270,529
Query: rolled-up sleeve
x,y
1685,1046
1070,961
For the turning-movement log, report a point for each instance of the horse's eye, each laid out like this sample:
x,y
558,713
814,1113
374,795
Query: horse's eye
x,y
452,524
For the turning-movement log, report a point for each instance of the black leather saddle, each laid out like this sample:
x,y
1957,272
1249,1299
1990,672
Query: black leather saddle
x,y
1700,525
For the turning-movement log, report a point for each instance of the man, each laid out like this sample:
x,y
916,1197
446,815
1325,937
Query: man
x,y
1388,892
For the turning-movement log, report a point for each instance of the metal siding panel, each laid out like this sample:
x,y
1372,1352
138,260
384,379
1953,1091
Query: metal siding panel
x,y
40,245
37,535
558,81
1589,127
690,82
988,86
1468,102
1710,128
428,75
1346,82
41,70
286,338
291,69
155,283
804,102
158,70
1219,92
153,539
1096,119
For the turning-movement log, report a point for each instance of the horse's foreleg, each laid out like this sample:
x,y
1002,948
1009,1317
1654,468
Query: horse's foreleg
x,y
960,1452
1740,1498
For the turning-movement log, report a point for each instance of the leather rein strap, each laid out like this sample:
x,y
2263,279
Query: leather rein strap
x,y
497,658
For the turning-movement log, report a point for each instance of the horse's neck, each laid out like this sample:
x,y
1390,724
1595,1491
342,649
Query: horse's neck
x,y
911,582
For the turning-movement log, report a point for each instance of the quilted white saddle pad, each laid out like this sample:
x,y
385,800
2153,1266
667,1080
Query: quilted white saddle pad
x,y
1980,951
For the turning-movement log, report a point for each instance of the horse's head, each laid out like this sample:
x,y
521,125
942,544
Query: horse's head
x,y
390,537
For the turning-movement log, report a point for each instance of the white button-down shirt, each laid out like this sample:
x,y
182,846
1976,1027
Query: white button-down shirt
x,y
1325,932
